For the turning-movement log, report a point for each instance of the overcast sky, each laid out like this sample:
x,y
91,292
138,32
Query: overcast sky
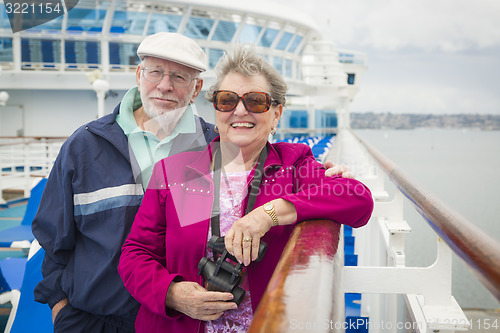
x,y
424,56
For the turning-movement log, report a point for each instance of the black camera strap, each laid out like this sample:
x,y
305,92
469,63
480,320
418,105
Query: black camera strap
x,y
254,188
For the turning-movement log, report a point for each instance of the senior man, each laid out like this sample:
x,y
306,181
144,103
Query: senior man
x,y
98,180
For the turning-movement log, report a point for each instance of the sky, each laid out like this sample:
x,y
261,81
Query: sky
x,y
424,56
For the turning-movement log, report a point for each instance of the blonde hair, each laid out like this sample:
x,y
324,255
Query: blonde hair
x,y
243,59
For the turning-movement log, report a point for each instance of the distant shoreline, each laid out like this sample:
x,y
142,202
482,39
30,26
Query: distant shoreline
x,y
371,120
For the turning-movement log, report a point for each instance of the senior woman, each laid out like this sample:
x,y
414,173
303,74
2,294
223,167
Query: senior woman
x,y
260,190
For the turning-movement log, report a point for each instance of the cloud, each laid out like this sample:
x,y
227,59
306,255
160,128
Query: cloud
x,y
446,25
424,99
424,56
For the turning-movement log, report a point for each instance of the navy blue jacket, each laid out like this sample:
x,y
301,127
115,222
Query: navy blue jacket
x,y
87,209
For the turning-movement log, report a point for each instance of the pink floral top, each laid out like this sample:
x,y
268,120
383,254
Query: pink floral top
x,y
233,191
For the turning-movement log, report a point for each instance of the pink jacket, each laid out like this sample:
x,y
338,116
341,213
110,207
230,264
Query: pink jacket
x,y
170,231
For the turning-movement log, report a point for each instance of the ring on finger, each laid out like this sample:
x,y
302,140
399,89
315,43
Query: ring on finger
x,y
247,239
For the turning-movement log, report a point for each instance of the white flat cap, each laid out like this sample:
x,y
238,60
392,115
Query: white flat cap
x,y
174,47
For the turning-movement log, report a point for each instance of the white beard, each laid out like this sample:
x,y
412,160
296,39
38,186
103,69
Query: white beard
x,y
164,118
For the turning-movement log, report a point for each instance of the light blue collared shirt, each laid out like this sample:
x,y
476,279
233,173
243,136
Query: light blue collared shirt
x,y
147,148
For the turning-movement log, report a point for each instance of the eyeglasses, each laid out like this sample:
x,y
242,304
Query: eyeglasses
x,y
254,101
178,79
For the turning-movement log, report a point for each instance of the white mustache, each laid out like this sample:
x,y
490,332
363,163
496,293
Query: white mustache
x,y
169,97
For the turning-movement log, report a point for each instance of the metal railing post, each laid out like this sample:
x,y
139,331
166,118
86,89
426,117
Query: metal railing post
x,y
27,169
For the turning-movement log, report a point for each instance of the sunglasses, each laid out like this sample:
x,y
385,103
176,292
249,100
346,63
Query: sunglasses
x,y
254,101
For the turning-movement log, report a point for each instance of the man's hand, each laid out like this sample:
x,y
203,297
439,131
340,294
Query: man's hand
x,y
58,307
334,169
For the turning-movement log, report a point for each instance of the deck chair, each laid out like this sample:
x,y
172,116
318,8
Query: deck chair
x,y
11,276
26,314
22,233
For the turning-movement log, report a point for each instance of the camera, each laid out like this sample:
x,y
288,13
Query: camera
x,y
223,275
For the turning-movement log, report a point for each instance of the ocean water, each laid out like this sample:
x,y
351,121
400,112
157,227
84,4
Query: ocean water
x,y
462,168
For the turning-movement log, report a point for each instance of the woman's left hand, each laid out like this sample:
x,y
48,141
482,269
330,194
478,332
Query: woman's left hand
x,y
243,239
333,169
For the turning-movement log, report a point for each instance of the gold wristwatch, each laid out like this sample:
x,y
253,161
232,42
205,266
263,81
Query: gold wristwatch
x,y
269,209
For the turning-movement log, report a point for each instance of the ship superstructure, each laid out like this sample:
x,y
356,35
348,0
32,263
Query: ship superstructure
x,y
92,48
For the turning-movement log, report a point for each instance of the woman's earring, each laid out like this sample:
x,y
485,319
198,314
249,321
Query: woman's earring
x,y
273,131
216,130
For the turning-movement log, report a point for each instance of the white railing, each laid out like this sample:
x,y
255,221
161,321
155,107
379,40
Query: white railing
x,y
21,159
397,298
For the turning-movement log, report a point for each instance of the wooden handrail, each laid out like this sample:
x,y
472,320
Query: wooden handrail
x,y
480,251
301,290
